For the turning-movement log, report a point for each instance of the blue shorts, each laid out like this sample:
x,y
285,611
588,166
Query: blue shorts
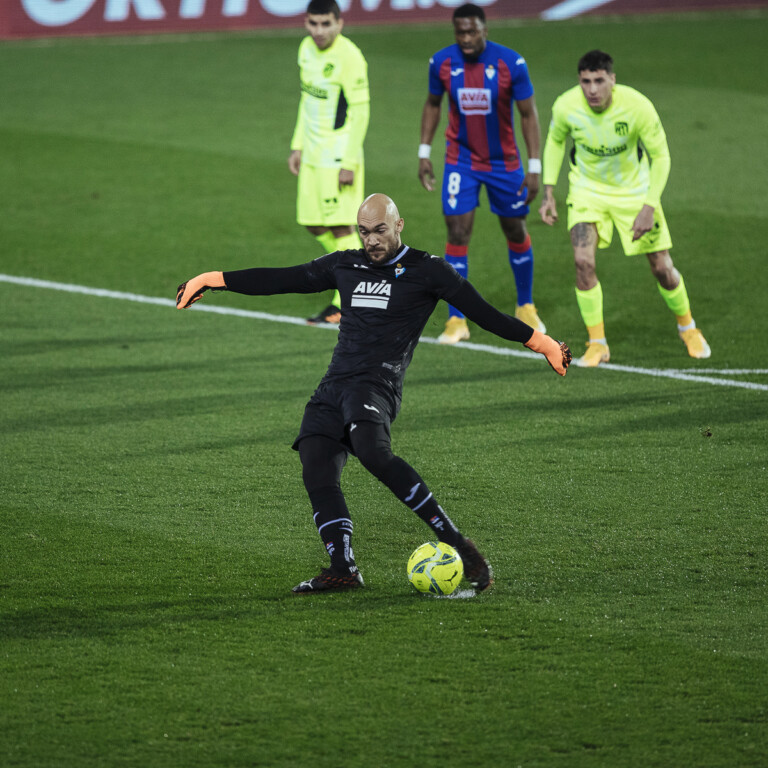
x,y
461,191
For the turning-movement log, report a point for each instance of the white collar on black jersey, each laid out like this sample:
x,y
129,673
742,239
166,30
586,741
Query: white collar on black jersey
x,y
399,255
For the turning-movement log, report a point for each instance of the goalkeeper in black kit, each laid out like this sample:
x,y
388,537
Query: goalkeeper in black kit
x,y
388,291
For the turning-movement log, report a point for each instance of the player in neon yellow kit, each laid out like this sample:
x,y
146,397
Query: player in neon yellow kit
x,y
327,144
612,184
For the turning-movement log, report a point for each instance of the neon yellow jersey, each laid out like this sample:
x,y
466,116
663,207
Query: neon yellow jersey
x,y
333,110
606,158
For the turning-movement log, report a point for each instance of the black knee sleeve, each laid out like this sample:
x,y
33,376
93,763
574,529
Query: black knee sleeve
x,y
370,442
322,460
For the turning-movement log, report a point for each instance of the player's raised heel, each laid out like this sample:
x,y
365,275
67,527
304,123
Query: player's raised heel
x,y
456,329
596,353
528,314
331,315
695,343
330,580
477,570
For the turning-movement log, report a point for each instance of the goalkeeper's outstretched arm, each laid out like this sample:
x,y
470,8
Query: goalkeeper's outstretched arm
x,y
259,281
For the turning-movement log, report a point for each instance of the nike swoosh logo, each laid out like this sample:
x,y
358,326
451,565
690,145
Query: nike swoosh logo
x,y
455,72
521,261
370,408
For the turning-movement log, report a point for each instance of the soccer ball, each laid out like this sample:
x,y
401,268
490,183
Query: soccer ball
x,y
435,568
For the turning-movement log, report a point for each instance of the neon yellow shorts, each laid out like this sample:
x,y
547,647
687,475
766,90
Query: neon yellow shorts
x,y
320,202
621,212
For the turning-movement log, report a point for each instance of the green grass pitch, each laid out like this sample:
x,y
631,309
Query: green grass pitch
x,y
152,514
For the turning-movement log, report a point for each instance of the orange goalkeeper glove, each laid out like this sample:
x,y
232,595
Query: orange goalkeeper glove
x,y
557,352
191,291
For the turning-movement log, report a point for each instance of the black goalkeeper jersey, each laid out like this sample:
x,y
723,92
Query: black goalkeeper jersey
x,y
384,308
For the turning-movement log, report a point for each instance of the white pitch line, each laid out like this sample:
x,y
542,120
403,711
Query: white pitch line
x,y
681,375
692,374
735,371
571,8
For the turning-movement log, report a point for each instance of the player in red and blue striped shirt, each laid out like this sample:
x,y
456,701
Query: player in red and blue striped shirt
x,y
483,80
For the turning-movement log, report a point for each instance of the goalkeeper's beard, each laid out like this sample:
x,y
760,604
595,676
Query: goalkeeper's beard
x,y
382,256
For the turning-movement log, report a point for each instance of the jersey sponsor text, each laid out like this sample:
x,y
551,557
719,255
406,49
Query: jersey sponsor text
x,y
312,90
603,151
475,101
372,295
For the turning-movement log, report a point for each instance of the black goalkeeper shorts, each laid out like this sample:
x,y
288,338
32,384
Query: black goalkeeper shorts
x,y
339,403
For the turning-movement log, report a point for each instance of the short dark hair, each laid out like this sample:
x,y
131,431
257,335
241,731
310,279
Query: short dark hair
x,y
596,60
469,11
321,7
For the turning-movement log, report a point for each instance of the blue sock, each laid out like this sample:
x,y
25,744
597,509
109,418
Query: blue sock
x,y
521,261
456,256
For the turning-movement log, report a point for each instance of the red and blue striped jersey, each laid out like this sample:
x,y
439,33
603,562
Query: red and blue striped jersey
x,y
482,92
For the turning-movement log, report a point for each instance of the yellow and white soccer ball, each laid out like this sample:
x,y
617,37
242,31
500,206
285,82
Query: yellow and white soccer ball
x,y
435,568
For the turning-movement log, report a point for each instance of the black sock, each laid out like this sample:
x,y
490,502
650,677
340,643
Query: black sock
x,y
420,499
322,461
372,447
335,527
